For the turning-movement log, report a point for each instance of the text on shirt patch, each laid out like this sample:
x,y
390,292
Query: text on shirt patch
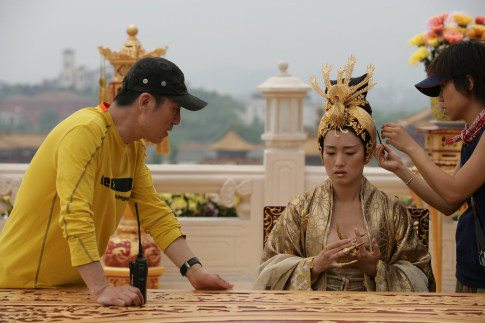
x,y
117,184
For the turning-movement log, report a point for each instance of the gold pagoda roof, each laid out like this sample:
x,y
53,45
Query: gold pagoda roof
x,y
232,142
132,50
310,146
418,119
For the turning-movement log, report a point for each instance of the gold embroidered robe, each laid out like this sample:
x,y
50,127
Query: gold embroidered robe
x,y
301,231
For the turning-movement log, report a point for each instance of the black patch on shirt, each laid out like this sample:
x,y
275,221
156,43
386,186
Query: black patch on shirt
x,y
118,184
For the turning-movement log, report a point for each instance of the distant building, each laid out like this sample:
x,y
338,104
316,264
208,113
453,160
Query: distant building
x,y
419,119
256,111
231,149
22,108
80,78
310,148
19,147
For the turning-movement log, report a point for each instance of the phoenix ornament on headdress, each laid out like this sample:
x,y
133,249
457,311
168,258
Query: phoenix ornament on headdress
x,y
345,102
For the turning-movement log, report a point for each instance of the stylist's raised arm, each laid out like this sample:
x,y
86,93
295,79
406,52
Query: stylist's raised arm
x,y
457,78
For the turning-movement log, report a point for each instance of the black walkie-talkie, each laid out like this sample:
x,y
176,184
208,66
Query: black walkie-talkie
x,y
139,268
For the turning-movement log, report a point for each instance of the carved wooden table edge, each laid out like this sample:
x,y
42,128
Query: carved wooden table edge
x,y
27,305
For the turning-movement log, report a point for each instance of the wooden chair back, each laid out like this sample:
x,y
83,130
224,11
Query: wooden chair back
x,y
419,219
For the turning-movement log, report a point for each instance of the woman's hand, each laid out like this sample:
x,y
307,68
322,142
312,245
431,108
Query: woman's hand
x,y
327,258
398,137
390,161
367,261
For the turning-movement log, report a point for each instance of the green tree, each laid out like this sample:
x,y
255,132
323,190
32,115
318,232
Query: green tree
x,y
203,126
47,121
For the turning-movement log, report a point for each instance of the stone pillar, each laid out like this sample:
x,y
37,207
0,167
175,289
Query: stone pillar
x,y
284,162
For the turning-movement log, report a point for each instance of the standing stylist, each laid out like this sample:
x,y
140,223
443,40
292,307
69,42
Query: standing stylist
x,y
457,78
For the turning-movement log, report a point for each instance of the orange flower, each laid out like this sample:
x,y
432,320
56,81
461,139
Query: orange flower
x,y
452,35
437,29
480,20
438,19
429,35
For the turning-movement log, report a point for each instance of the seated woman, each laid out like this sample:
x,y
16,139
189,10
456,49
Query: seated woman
x,y
317,242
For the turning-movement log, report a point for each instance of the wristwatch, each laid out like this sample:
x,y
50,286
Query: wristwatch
x,y
189,263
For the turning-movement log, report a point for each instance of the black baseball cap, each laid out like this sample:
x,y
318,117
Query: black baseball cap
x,y
431,85
157,75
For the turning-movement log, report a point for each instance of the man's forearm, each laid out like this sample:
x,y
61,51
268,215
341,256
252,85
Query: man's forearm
x,y
179,252
94,277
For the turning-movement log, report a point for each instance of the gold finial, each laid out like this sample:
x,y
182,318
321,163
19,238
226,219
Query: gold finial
x,y
132,30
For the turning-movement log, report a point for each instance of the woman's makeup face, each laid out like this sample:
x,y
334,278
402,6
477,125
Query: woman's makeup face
x,y
343,155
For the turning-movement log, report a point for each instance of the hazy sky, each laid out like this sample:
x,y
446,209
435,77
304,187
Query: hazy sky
x,y
222,45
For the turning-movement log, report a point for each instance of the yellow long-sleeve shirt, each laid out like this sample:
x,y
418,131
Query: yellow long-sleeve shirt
x,y
76,189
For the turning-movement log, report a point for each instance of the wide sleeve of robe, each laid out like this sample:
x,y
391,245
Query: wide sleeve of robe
x,y
405,263
285,247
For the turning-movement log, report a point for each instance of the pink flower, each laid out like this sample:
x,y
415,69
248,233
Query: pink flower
x,y
452,35
437,29
438,19
480,20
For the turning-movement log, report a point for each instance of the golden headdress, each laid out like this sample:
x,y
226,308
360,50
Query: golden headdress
x,y
346,105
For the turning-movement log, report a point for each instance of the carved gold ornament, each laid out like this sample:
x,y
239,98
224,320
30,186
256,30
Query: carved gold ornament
x,y
343,107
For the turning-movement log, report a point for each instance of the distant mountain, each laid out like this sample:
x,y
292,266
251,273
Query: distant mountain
x,y
241,83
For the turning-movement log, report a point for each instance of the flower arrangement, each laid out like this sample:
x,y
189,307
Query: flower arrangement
x,y
198,205
444,30
5,206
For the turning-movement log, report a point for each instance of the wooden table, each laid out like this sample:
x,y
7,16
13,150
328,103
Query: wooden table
x,y
243,306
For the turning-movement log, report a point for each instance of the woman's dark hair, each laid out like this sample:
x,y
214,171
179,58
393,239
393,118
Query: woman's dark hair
x,y
459,60
127,97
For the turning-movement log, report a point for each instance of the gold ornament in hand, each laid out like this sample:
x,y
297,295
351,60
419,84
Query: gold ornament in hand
x,y
343,264
346,251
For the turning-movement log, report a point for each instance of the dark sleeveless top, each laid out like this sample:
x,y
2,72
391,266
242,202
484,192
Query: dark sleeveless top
x,y
468,269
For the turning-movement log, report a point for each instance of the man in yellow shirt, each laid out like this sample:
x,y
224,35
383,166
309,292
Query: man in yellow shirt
x,y
80,181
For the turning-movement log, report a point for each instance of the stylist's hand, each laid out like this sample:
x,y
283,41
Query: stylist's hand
x,y
390,161
398,137
126,295
202,279
327,258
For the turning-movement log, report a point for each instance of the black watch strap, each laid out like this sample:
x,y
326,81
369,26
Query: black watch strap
x,y
186,265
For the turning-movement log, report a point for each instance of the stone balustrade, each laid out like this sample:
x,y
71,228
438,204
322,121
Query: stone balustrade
x,y
228,246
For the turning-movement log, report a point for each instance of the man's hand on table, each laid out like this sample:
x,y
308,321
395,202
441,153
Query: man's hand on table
x,y
94,277
179,252
202,279
126,295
